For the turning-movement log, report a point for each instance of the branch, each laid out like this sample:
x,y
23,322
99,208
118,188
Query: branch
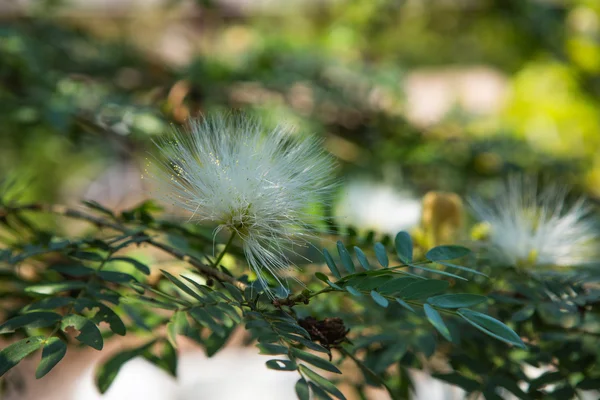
x,y
101,222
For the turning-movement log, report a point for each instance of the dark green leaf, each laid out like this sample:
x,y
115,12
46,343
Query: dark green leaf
x,y
524,313
104,313
423,289
362,258
185,288
318,392
235,292
108,371
436,320
491,326
75,270
282,365
545,379
379,299
54,351
460,267
443,253
149,301
456,300
32,320
331,264
12,354
345,257
88,332
405,304
396,284
454,378
322,382
322,277
381,255
302,390
205,319
315,360
87,255
291,328
116,277
440,272
143,268
272,349
404,247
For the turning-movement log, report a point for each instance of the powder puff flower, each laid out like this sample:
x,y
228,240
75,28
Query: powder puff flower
x,y
257,184
529,227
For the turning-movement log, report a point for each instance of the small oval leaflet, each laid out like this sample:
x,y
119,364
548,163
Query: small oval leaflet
x,y
458,300
491,326
436,320
404,247
443,253
381,255
379,299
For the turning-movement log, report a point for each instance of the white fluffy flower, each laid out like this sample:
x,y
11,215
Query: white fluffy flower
x,y
231,171
533,227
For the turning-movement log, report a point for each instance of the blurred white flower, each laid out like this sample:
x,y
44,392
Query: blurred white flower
x,y
378,207
532,227
256,183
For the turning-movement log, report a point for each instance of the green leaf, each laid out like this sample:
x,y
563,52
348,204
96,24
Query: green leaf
x,y
291,328
471,270
315,360
104,313
107,372
491,327
302,390
281,365
54,351
185,288
12,354
318,392
456,300
440,272
379,299
32,320
524,313
404,247
454,378
443,253
87,255
116,277
205,319
423,289
74,270
234,292
331,264
53,288
381,255
436,320
89,333
362,258
322,277
395,285
272,349
322,382
345,257
143,268
405,305
353,291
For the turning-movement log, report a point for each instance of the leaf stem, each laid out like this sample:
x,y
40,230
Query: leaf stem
x,y
227,245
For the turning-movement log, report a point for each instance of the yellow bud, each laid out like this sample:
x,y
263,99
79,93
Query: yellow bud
x,y
442,217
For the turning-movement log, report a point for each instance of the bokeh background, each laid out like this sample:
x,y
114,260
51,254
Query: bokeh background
x,y
410,96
